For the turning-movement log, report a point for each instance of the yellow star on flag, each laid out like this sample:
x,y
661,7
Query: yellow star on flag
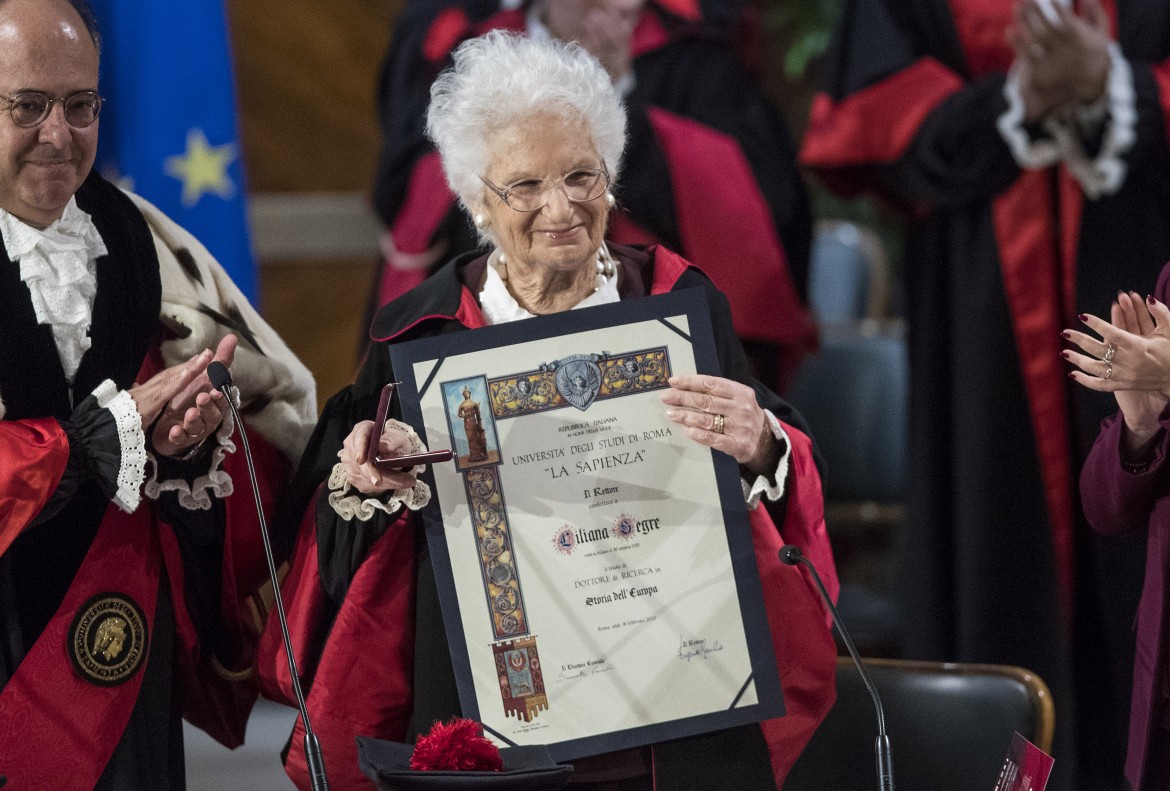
x,y
203,168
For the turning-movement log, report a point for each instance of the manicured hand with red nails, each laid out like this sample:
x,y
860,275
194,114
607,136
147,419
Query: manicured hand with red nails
x,y
1131,359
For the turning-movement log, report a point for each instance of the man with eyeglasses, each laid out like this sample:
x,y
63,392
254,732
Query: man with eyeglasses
x,y
126,561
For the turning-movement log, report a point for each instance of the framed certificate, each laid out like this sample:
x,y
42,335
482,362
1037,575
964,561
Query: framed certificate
x,y
595,565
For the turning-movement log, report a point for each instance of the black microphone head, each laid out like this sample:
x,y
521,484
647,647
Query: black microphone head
x,y
790,555
219,375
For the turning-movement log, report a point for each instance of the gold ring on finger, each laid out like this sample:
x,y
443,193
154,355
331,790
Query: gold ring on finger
x,y
718,424
1108,371
1110,350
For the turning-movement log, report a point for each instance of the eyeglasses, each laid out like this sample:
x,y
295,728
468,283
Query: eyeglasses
x,y
580,185
30,108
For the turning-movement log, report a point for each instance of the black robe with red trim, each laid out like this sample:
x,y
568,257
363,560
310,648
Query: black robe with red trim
x,y
998,564
189,575
363,604
709,167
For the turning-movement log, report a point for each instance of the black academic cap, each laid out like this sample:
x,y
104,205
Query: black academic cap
x,y
526,768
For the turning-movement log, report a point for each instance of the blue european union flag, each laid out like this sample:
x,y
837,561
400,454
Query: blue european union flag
x,y
168,128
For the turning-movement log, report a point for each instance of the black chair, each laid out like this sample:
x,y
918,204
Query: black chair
x,y
854,393
949,726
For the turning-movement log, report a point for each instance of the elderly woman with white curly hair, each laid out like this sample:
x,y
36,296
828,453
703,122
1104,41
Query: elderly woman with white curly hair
x,y
530,135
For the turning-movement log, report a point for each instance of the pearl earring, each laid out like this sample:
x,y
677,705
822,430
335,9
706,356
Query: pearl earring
x,y
610,200
480,221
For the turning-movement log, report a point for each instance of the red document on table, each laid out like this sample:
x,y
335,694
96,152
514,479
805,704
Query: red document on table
x,y
1026,767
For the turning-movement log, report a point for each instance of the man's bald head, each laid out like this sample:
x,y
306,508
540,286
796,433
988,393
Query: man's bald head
x,y
88,20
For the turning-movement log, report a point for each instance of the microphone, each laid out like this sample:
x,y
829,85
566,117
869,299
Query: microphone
x,y
791,555
221,379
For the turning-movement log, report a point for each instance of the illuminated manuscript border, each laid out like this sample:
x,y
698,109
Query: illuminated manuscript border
x,y
575,517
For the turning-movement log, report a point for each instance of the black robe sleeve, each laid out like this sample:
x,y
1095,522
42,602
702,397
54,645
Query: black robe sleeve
x,y
901,114
703,79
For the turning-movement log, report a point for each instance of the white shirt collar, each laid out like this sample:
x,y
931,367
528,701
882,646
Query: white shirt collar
x,y
500,307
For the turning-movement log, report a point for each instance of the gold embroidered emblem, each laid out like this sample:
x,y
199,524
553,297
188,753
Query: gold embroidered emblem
x,y
108,639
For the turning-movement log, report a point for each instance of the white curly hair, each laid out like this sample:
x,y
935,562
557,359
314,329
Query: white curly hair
x,y
502,78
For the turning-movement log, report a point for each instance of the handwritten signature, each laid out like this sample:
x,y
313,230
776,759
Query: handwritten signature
x,y
689,649
592,670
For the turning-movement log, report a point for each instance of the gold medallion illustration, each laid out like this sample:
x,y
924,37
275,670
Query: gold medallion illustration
x,y
108,639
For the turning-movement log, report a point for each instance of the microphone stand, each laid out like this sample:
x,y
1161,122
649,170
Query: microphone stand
x,y
791,555
221,379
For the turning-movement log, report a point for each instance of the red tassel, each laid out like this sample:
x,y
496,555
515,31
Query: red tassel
x,y
456,745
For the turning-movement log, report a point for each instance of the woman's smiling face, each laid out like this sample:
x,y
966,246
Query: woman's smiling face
x,y
564,235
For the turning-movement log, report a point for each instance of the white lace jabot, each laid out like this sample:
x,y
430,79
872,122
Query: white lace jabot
x,y
58,266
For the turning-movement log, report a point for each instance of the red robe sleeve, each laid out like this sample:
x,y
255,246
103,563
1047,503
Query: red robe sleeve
x,y
805,651
904,113
720,208
33,456
359,681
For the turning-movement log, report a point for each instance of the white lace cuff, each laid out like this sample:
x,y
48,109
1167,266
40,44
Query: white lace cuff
x,y
358,506
217,483
132,469
1029,153
1105,173
762,486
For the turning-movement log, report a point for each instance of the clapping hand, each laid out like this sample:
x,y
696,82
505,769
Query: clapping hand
x,y
1131,360
604,27
1062,56
193,410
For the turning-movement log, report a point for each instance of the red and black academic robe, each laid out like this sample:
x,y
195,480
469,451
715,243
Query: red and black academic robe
x,y
709,168
363,603
187,577
999,566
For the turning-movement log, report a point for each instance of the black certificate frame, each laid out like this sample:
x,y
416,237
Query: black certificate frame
x,y
691,303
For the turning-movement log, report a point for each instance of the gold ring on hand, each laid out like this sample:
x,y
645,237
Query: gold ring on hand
x,y
718,427
1108,371
1110,350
